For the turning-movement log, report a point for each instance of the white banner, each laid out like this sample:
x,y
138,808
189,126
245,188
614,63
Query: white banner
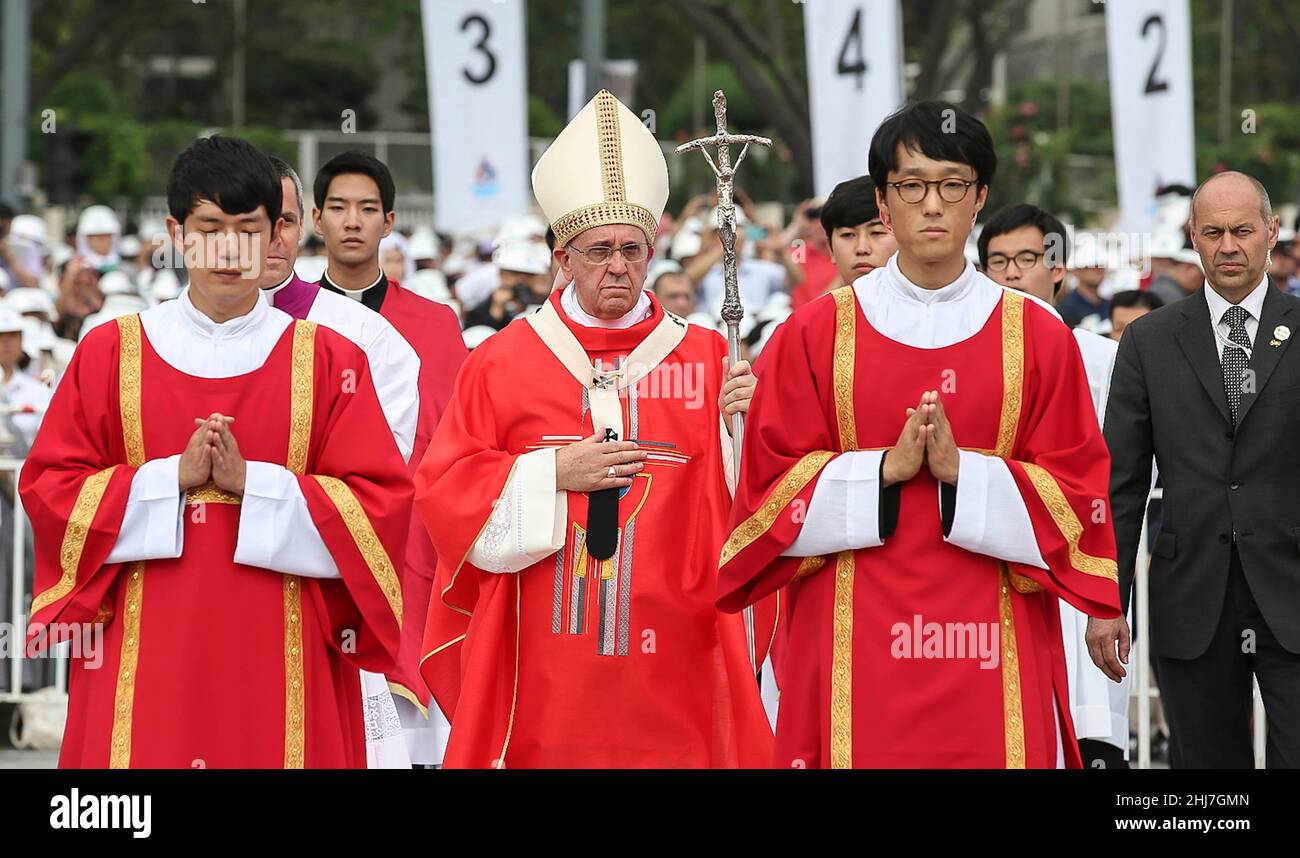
x,y
478,110
1149,44
855,80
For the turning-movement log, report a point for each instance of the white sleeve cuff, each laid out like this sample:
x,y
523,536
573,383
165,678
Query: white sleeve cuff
x,y
527,523
153,526
990,516
844,513
276,530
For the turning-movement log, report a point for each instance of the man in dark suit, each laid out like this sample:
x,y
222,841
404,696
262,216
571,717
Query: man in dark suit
x,y
1210,385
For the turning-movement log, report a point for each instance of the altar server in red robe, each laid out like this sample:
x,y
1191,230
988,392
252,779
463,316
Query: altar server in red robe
x,y
924,469
200,499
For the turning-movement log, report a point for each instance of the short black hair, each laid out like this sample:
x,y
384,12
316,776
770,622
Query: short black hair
x,y
852,203
938,129
228,171
1012,218
355,162
1135,298
6,211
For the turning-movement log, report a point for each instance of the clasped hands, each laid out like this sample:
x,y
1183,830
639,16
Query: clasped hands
x,y
926,439
213,454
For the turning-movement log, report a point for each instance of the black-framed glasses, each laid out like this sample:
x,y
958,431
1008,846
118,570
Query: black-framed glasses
x,y
1024,260
600,254
912,191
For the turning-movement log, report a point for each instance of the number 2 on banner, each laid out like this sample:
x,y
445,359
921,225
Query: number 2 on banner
x,y
482,46
1153,85
853,39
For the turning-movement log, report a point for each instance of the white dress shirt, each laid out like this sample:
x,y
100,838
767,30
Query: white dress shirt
x,y
1253,304
276,530
990,516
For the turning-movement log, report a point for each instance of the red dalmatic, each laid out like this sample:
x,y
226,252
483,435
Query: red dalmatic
x,y
855,688
574,662
206,662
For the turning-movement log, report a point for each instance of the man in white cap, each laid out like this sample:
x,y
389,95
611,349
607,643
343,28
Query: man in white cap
x,y
22,247
523,281
577,495
21,396
98,231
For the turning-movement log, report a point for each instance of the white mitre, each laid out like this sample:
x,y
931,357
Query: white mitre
x,y
605,167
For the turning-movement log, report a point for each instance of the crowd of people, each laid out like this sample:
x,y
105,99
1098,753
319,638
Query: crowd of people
x,y
899,242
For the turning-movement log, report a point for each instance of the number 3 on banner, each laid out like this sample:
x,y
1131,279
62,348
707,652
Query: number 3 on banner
x,y
481,45
853,38
1153,85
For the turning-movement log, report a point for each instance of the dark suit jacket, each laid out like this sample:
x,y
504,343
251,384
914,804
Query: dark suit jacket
x,y
1167,399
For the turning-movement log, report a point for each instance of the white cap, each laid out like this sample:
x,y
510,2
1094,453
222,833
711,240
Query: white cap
x,y
1187,256
165,286
475,336
1165,245
430,283
30,228
116,283
152,229
98,220
31,300
658,269
423,244
525,257
522,228
686,243
130,247
10,322
605,167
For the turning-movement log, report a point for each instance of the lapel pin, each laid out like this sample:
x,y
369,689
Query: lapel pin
x,y
1282,332
1277,344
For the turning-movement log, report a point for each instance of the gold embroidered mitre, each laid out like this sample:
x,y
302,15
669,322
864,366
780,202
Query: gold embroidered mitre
x,y
605,167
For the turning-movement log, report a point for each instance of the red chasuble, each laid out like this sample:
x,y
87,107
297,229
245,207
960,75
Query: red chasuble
x,y
574,662
434,332
864,682
209,663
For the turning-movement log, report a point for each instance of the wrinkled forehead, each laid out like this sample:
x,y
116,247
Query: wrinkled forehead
x,y
612,235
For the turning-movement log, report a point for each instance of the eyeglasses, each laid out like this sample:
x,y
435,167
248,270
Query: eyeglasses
x,y
914,190
1024,260
603,253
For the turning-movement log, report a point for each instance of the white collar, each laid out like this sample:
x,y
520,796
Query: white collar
x,y
906,289
354,294
200,325
572,309
1252,303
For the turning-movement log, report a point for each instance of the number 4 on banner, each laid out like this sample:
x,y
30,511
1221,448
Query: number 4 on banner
x,y
853,40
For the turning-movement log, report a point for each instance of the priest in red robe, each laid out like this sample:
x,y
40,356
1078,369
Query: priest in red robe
x,y
924,475
203,511
354,194
576,491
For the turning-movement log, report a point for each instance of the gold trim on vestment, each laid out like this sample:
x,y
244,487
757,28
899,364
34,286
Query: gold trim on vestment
x,y
406,694
74,536
1049,492
1013,715
367,541
846,309
210,492
301,394
842,664
128,393
845,353
1013,371
119,754
302,384
295,692
790,485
